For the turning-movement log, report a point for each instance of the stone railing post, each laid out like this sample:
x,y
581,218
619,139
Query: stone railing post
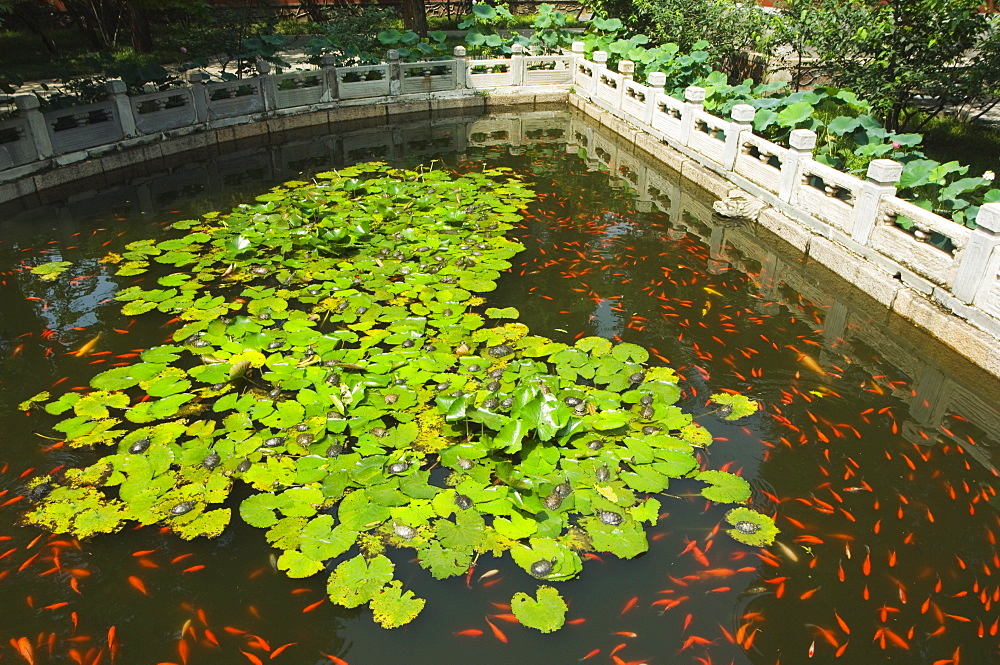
x,y
743,115
328,65
883,174
269,91
655,83
197,80
123,107
601,66
395,72
801,143
27,105
579,54
694,101
517,64
627,69
461,67
972,283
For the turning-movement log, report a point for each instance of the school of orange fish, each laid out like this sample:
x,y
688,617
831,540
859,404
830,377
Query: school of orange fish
x,y
888,549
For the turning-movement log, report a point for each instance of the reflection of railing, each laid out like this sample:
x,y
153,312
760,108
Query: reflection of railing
x,y
934,392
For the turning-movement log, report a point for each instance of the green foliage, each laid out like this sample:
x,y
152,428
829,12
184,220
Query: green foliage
x,y
891,53
331,353
725,29
488,30
546,614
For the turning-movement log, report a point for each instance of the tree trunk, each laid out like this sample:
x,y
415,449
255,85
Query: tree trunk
x,y
415,16
138,25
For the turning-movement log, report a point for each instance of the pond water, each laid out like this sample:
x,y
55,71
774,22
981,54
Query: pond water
x,y
873,447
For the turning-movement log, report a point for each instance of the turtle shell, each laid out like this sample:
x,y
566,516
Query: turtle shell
x,y
139,446
182,507
746,527
609,518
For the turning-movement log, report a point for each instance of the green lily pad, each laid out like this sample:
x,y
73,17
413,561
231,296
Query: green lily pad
x,y
546,612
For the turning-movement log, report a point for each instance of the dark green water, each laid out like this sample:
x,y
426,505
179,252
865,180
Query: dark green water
x,y
873,446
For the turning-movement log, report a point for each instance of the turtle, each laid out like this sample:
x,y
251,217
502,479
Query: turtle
x,y
609,518
490,403
243,466
637,377
274,441
746,527
542,567
464,464
572,401
725,410
646,399
603,473
182,507
563,489
211,460
647,412
398,467
304,439
463,501
391,398
334,450
139,446
552,501
404,531
500,350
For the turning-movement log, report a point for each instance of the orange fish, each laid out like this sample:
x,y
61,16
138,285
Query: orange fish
x,y
138,585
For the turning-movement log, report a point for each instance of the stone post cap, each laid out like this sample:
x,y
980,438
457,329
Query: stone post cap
x,y
656,79
458,51
626,67
197,76
392,54
517,49
600,56
116,86
695,94
579,47
744,113
989,217
25,102
328,60
884,171
802,139
263,67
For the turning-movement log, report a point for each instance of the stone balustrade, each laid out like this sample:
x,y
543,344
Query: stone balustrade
x,y
953,265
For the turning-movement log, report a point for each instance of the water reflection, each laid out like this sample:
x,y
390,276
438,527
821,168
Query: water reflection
x,y
875,447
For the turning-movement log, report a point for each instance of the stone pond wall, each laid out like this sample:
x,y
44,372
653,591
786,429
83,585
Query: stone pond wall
x,y
939,274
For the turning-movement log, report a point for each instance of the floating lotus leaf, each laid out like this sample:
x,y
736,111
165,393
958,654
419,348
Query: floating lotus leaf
x,y
546,612
724,487
751,528
734,407
331,354
393,607
49,272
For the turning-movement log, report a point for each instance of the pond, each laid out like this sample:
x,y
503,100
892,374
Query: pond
x,y
873,448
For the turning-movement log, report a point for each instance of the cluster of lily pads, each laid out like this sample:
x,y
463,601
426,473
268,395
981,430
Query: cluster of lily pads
x,y
333,357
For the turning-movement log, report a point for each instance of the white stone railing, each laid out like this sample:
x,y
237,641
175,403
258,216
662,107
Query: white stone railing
x,y
956,266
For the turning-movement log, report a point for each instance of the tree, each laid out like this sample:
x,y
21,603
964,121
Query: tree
x,y
910,58
415,16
